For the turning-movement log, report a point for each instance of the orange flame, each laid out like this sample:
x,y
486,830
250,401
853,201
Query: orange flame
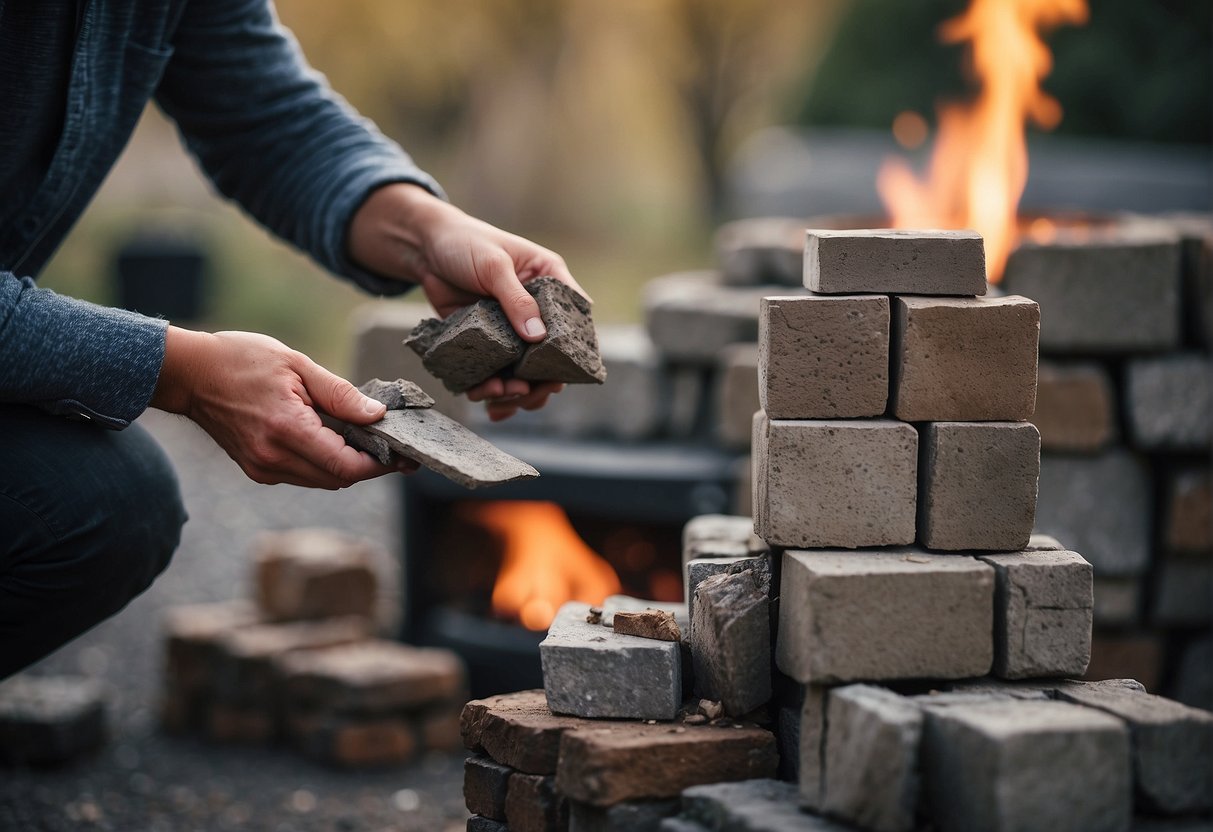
x,y
979,164
545,562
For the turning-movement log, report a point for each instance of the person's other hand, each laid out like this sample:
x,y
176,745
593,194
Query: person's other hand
x,y
258,400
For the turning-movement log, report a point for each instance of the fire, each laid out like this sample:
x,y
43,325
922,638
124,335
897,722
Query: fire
x,y
544,562
979,164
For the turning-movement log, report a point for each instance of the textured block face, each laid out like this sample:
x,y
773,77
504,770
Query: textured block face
x,y
1026,765
840,484
890,261
569,352
371,676
1075,407
700,568
761,252
737,395
978,485
1043,604
517,730
468,347
964,359
824,357
313,573
1099,506
731,642
532,804
871,758
1103,297
935,621
590,671
484,787
1169,402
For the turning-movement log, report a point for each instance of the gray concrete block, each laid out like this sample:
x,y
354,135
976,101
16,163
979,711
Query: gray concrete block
x,y
761,251
700,568
737,395
468,347
871,758
824,357
1100,506
569,351
893,261
731,641
1189,512
751,806
1075,407
1113,294
1026,765
977,485
629,816
1169,401
1043,604
720,535
591,671
839,484
812,747
1117,602
1182,593
50,720
824,638
485,784
1172,745
964,359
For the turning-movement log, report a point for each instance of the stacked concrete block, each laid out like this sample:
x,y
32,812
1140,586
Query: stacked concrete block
x,y
1075,407
51,720
737,397
764,251
313,573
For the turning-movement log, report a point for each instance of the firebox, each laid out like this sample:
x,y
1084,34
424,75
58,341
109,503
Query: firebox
x,y
483,572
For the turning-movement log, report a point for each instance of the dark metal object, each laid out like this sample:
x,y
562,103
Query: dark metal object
x,y
162,276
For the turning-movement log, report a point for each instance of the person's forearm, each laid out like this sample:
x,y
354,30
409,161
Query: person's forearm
x,y
184,355
387,234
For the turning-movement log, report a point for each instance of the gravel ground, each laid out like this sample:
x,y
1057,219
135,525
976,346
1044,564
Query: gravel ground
x,y
142,780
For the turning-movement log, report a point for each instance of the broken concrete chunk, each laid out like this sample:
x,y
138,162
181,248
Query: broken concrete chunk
x,y
731,642
569,353
398,394
701,568
655,624
468,347
443,445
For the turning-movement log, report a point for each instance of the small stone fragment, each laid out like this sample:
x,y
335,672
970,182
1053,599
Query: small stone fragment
x,y
398,394
468,347
711,709
569,352
594,616
655,624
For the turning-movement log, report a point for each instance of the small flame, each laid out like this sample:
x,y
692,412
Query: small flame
x,y
979,164
544,562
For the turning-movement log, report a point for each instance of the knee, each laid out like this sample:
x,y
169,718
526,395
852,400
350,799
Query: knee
x,y
150,517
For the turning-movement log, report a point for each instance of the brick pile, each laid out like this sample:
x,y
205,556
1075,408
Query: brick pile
x,y
1124,404
299,663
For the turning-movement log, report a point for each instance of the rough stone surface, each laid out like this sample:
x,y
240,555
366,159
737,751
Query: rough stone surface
x,y
629,816
1026,765
1172,745
622,761
824,637
1169,401
759,805
517,730
1182,591
1110,295
737,394
893,261
1189,512
50,720
731,642
1075,407
397,395
761,251
978,485
532,804
1100,506
871,758
839,484
720,536
655,624
313,573
964,359
823,357
468,347
812,746
590,671
444,446
1043,604
701,568
569,352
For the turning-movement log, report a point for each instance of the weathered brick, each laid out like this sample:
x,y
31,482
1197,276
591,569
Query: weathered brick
x,y
841,484
1043,605
1100,506
517,730
731,641
1026,765
629,816
1189,512
314,573
701,568
761,251
1172,745
893,261
192,635
50,720
822,639
360,742
637,761
964,359
812,746
439,728
590,671
241,724
760,805
823,356
737,394
1182,590
468,347
978,485
1168,402
1075,407
532,804
1113,294
1117,602
871,758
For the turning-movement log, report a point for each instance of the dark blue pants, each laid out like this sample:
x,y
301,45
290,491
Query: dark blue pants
x,y
88,518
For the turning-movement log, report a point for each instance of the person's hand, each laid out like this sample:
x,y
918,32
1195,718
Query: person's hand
x,y
404,231
258,400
